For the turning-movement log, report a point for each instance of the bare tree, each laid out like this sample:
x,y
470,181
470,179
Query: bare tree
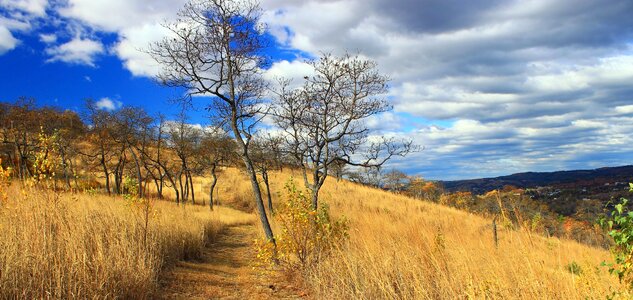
x,y
184,139
216,149
100,135
324,119
396,180
267,157
216,49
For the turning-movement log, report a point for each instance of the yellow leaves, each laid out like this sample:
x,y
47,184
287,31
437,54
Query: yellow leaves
x,y
5,174
306,234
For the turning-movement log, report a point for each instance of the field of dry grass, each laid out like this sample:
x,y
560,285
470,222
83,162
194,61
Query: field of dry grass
x,y
80,245
65,245
401,248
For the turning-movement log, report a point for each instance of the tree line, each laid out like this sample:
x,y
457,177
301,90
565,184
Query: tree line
x,y
219,49
127,143
216,50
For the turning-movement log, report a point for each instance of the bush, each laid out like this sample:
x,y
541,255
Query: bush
x,y
574,268
619,226
306,235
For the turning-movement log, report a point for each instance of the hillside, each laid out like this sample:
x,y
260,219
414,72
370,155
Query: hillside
x,y
398,248
401,248
579,178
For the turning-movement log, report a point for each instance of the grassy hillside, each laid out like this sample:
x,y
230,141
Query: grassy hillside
x,y
87,245
406,249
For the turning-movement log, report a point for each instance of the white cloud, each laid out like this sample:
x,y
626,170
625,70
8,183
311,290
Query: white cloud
x,y
7,41
130,48
108,104
76,51
17,15
118,15
137,23
510,86
34,7
48,38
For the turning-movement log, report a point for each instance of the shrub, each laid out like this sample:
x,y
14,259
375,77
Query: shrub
x,y
574,268
619,226
306,235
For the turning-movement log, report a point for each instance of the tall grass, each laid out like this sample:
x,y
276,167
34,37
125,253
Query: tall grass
x,y
400,248
92,246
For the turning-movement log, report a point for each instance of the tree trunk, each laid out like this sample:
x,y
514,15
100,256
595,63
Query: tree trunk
x,y
138,174
182,188
105,173
252,175
214,181
270,200
193,195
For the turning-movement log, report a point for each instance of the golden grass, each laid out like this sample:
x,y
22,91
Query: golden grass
x,y
64,246
401,248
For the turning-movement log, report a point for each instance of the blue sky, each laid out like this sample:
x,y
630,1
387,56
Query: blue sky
x,y
488,87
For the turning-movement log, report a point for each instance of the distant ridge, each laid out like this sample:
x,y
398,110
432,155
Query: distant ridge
x,y
535,179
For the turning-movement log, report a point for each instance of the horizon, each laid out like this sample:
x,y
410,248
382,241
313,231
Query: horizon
x,y
489,88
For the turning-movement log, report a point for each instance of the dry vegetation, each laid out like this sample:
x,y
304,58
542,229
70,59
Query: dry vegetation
x,y
401,248
66,245
84,246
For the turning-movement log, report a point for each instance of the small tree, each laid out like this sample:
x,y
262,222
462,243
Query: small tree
x,y
324,119
396,180
267,157
216,148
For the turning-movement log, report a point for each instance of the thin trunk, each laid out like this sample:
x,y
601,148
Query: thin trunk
x,y
184,196
105,172
65,167
248,163
214,181
138,174
193,195
73,170
270,200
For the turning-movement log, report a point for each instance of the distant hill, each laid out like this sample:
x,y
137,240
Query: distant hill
x,y
535,179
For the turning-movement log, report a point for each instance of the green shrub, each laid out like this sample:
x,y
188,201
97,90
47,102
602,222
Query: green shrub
x,y
619,226
574,268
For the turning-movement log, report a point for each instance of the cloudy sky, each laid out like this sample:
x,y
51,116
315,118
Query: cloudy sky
x,y
487,87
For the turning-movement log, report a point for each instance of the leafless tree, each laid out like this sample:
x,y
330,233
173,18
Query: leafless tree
x,y
396,180
266,157
216,50
184,139
324,118
216,149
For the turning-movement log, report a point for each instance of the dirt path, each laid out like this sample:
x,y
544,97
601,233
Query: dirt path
x,y
226,272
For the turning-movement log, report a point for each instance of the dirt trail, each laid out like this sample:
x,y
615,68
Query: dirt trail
x,y
225,271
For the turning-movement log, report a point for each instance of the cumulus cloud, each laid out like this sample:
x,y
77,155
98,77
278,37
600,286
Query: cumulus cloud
x,y
137,23
34,7
16,16
512,85
108,104
7,41
76,51
48,38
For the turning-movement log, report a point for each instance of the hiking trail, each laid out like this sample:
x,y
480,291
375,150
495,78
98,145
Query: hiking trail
x,y
225,271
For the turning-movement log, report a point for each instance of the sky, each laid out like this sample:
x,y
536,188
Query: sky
x,y
487,87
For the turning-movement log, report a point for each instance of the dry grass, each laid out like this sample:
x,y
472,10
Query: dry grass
x,y
92,246
400,248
